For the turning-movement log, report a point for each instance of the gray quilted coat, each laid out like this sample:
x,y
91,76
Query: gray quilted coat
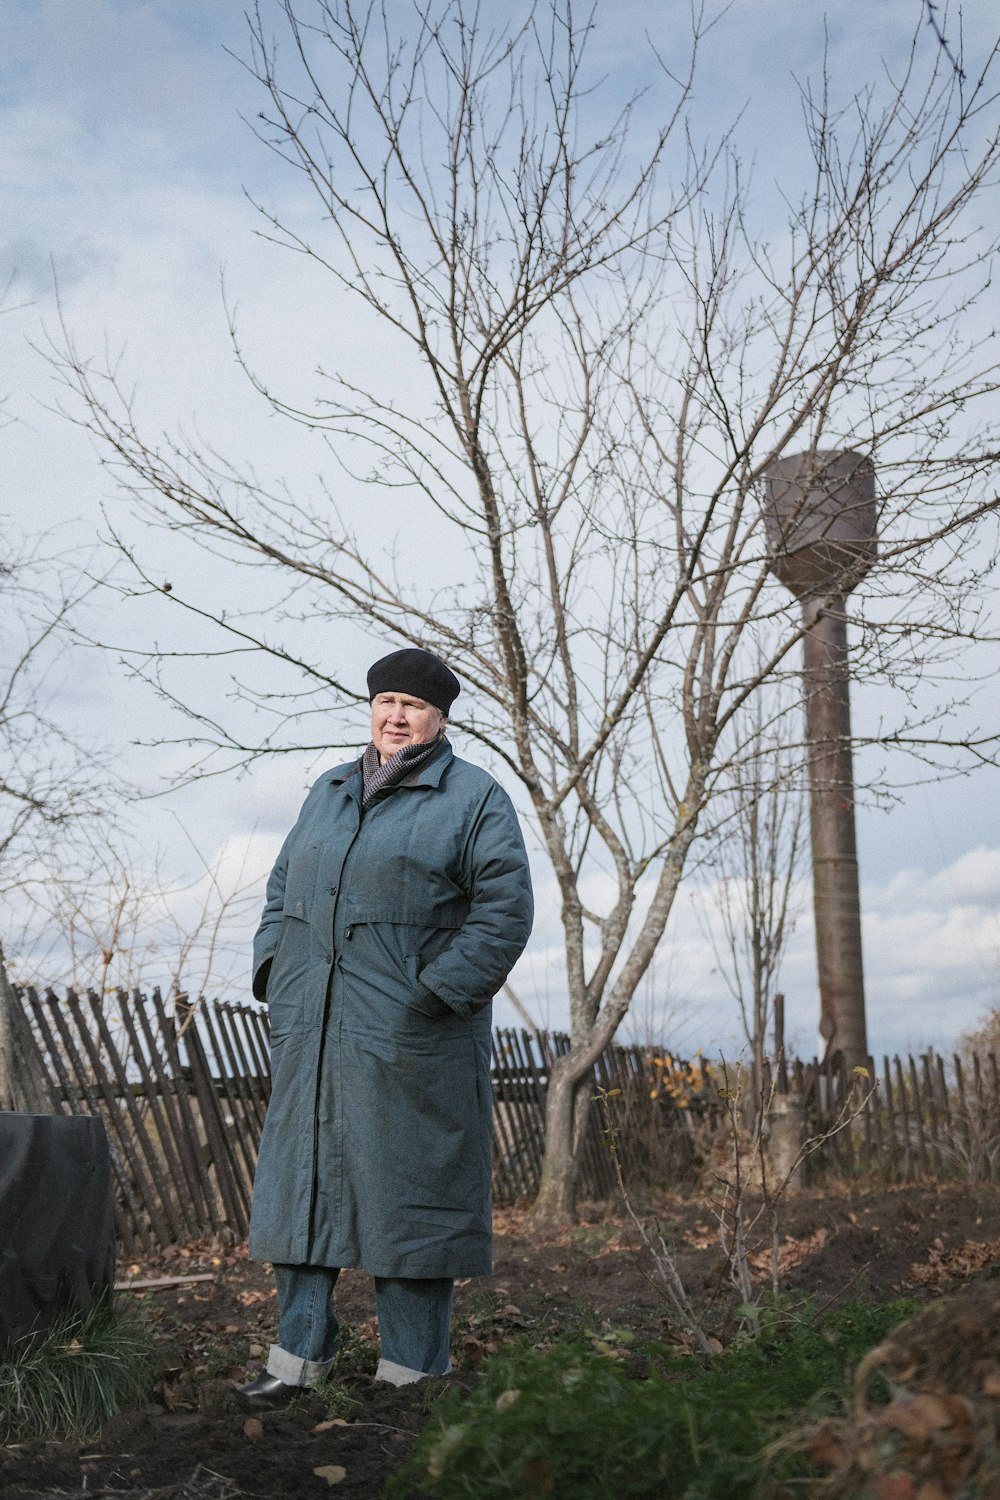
x,y
382,943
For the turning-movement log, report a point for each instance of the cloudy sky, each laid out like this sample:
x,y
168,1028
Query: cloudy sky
x,y
128,174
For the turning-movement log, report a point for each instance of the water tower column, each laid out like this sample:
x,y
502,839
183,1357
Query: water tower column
x,y
836,893
820,523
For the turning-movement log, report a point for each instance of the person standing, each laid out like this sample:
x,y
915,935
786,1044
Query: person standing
x,y
397,906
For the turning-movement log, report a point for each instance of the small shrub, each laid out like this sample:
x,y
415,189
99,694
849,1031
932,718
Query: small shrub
x,y
575,1423
67,1382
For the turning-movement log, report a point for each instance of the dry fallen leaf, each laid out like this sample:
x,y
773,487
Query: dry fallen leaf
x,y
896,1488
825,1447
791,1253
332,1473
946,1265
918,1416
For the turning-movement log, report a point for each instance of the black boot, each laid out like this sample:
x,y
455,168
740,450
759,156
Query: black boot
x,y
266,1392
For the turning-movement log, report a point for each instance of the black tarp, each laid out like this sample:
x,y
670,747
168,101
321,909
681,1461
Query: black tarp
x,y
57,1247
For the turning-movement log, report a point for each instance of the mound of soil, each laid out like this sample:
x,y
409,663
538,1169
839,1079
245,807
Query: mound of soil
x,y
210,1329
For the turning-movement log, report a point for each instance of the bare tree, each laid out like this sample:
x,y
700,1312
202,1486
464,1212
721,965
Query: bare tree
x,y
55,784
749,903
591,359
52,783
113,918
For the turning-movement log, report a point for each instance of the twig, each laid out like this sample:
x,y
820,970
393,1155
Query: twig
x,y
152,1283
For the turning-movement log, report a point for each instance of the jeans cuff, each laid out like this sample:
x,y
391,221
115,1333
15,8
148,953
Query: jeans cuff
x,y
395,1374
293,1370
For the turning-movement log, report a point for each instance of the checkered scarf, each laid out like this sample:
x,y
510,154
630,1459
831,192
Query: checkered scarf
x,y
381,776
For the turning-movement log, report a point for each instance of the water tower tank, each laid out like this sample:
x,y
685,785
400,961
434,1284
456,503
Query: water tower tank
x,y
819,519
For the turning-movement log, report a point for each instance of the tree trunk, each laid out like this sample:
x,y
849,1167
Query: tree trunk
x,y
555,1204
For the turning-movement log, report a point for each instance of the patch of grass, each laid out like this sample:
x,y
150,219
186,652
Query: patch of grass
x,y
575,1314
336,1398
226,1355
539,1316
67,1382
354,1355
593,1237
575,1423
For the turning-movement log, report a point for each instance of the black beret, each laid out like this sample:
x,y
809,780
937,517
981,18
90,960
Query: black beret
x,y
420,674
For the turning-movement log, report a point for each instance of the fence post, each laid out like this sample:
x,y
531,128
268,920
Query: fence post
x,y
6,1039
785,1136
23,1080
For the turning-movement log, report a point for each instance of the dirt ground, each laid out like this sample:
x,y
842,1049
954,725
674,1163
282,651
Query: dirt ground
x,y
195,1440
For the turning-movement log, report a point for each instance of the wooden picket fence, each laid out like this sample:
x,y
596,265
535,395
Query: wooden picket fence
x,y
183,1089
671,1120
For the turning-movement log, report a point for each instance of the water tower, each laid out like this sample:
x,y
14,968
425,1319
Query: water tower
x,y
820,518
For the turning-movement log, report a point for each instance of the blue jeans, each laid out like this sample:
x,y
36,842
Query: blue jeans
x,y
414,1320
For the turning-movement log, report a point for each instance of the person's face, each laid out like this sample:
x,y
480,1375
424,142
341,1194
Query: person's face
x,y
399,719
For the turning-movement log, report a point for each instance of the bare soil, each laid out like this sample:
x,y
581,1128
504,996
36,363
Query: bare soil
x,y
195,1440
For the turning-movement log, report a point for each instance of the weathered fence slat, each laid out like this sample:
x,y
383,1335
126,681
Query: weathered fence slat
x,y
247,1158
918,1115
157,1097
905,1145
941,1083
258,1038
147,1161
28,1081
889,1143
235,1202
171,1087
932,1113
192,1134
129,1227
512,1134
233,1029
870,1115
530,1098
143,1195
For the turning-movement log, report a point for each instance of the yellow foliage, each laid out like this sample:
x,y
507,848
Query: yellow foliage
x,y
685,1083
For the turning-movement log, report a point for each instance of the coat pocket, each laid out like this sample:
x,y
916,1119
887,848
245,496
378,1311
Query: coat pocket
x,y
300,882
423,1001
288,983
